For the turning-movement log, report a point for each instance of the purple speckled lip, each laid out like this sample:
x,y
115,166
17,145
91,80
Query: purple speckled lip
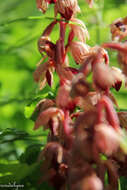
x,y
118,24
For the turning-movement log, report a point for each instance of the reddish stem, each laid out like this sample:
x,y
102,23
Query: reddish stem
x,y
85,66
67,129
62,37
112,117
70,38
116,46
49,28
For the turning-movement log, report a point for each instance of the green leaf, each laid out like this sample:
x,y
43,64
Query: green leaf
x,y
15,172
29,110
31,154
12,131
46,186
123,183
119,185
11,134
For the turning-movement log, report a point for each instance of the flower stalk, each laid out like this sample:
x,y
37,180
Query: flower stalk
x,y
82,121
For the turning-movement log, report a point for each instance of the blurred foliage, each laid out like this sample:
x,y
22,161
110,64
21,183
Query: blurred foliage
x,y
21,24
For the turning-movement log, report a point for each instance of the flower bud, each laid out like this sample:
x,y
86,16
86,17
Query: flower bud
x,y
106,139
105,77
79,51
79,86
67,8
45,45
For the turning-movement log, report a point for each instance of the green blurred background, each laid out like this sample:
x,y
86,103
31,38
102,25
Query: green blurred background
x,y
20,28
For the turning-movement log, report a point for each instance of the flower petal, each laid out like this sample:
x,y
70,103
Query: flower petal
x,y
46,115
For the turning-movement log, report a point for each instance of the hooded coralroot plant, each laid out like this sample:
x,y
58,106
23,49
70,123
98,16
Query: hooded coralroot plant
x,y
86,139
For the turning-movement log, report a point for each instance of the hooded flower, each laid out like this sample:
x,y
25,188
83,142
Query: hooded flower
x,y
119,29
122,54
45,45
79,51
53,168
79,29
105,77
106,138
79,86
63,99
43,105
100,54
44,73
43,4
45,116
95,55
67,8
92,183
